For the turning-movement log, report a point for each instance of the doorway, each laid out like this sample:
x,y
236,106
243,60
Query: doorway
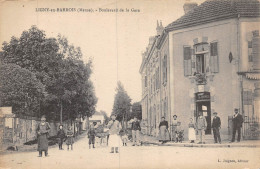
x,y
203,105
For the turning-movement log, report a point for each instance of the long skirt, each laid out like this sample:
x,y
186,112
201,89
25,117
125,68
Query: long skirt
x,y
70,140
192,135
114,140
164,134
42,142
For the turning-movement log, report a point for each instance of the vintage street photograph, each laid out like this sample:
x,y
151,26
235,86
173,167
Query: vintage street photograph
x,y
129,84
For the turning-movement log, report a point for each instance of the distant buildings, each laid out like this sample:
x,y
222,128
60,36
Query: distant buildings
x,y
207,60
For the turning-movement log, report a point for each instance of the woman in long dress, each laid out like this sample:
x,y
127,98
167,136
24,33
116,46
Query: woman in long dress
x,y
114,140
164,135
192,135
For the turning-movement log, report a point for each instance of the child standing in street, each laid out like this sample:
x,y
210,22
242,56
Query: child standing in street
x,y
91,136
70,139
124,138
61,136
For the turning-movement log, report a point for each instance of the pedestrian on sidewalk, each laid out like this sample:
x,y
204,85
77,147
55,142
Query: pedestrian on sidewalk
x,y
114,129
42,136
174,128
136,128
192,134
163,131
91,136
216,125
237,120
61,136
201,126
70,138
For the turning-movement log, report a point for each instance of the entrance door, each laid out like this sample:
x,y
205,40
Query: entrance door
x,y
204,106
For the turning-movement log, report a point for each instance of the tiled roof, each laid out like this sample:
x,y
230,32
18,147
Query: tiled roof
x,y
212,10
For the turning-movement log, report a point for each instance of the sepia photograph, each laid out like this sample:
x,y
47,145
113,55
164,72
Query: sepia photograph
x,y
129,84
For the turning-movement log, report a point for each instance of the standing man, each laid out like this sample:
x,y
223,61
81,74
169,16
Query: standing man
x,y
201,127
174,128
61,136
136,128
237,120
42,133
216,124
114,139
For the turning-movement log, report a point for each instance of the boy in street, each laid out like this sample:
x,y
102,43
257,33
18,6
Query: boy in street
x,y
61,136
91,136
216,123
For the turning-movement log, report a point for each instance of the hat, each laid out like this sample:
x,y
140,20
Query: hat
x,y
215,113
236,109
163,117
113,115
175,115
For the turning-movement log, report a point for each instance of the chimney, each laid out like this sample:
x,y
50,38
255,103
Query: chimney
x,y
159,28
189,6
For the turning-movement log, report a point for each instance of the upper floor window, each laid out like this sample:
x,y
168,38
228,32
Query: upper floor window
x,y
165,68
214,63
145,81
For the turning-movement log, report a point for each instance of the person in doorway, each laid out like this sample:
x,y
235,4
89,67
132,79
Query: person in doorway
x,y
136,128
70,139
61,136
174,128
192,135
114,139
91,136
42,133
163,131
237,120
216,125
201,126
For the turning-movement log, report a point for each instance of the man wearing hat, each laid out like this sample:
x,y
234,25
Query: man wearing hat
x,y
114,139
216,124
174,128
42,133
136,128
237,120
61,136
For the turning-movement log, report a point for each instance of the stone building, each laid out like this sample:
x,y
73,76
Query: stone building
x,y
207,60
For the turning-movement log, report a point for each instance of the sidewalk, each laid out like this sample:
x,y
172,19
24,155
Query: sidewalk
x,y
33,147
150,140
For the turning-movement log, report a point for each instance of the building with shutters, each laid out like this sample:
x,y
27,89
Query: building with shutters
x,y
208,60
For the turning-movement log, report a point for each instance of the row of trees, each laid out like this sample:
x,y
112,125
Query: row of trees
x,y
41,75
123,107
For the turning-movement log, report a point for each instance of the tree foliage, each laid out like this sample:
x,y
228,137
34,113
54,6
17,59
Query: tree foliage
x,y
58,66
122,103
136,110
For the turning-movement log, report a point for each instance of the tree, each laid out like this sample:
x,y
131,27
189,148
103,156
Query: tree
x,y
21,90
122,103
105,116
59,67
136,110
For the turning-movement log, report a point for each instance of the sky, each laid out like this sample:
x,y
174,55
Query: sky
x,y
114,40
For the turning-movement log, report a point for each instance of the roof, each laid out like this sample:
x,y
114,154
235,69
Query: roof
x,y
212,10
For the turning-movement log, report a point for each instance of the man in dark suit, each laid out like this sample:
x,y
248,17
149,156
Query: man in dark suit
x,y
216,124
237,120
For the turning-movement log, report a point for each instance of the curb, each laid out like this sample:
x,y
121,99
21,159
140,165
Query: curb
x,y
202,145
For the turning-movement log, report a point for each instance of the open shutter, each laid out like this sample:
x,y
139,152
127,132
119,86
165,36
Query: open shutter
x,y
187,61
255,50
214,64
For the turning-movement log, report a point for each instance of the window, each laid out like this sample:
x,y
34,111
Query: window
x,y
200,63
157,79
165,68
250,56
145,81
214,57
187,61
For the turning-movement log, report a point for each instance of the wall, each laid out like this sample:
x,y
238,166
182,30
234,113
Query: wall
x,y
224,87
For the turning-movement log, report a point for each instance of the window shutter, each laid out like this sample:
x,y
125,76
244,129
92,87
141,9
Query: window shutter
x,y
214,64
187,61
255,50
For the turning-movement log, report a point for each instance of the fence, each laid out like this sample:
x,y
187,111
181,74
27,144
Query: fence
x,y
251,130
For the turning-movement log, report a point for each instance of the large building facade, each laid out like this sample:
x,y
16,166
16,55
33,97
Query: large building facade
x,y
207,60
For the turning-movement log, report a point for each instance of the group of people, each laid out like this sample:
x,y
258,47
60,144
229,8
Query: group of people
x,y
200,127
43,130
